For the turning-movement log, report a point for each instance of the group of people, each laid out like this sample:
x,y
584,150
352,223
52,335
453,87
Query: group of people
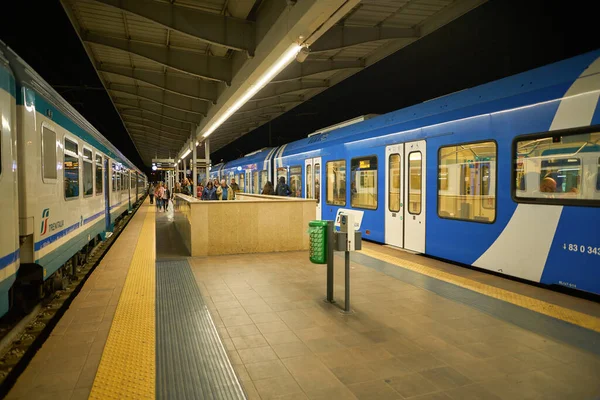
x,y
162,194
214,190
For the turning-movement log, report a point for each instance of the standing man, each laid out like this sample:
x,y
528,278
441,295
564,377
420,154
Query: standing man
x,y
234,186
282,188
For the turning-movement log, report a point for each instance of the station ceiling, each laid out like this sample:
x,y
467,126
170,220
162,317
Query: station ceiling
x,y
171,66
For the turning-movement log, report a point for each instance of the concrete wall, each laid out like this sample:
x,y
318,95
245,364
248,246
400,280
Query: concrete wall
x,y
250,224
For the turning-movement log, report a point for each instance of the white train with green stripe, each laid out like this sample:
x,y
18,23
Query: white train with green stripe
x,y
64,185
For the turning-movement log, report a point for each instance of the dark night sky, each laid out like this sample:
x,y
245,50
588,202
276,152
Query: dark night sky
x,y
500,38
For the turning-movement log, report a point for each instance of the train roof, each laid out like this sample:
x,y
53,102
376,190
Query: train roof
x,y
494,96
62,112
255,157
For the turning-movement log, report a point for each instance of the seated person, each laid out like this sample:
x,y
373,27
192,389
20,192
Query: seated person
x,y
548,185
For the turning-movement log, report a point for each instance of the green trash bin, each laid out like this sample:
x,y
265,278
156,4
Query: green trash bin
x,y
317,231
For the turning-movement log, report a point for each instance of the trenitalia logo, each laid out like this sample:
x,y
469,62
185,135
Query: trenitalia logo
x,y
46,227
45,216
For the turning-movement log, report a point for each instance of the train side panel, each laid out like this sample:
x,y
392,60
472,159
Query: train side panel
x,y
9,238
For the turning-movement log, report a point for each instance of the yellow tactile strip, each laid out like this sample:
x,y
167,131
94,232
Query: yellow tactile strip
x,y
542,307
128,367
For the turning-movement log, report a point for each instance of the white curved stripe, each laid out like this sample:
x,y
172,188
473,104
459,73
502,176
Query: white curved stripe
x,y
522,248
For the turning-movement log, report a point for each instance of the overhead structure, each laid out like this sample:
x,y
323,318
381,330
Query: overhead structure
x,y
178,71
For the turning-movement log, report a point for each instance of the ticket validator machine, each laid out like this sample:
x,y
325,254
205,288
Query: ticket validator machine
x,y
347,239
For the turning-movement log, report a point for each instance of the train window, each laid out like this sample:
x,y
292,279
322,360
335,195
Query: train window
x,y
242,183
281,172
557,168
255,183
309,179
99,182
336,183
296,181
317,183
598,176
394,175
132,180
263,180
467,182
71,169
88,173
114,180
415,181
363,184
49,170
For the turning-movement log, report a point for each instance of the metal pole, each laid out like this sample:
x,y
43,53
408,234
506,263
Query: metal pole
x,y
330,234
194,170
347,304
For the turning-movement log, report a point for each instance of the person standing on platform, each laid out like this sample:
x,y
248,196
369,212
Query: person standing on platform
x,y
166,199
210,192
282,188
233,185
268,189
199,190
185,188
160,197
151,194
226,193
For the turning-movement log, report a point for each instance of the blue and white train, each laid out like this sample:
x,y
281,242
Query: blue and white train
x,y
63,185
503,176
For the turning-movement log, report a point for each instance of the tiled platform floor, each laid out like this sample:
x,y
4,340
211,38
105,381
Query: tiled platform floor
x,y
66,365
401,342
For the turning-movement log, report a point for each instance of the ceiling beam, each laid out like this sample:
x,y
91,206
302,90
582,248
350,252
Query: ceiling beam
x,y
190,62
156,121
146,114
310,68
232,33
158,96
289,87
173,135
142,138
158,109
273,101
341,36
181,84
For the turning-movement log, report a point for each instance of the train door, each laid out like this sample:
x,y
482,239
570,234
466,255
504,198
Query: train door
x,y
107,194
312,171
405,199
394,205
414,196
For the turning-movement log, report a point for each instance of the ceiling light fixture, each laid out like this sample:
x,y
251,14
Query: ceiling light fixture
x,y
286,58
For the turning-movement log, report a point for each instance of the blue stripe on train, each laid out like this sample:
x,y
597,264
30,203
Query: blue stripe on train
x,y
9,259
46,241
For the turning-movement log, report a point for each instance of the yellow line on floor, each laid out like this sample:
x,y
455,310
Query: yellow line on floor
x,y
128,368
542,307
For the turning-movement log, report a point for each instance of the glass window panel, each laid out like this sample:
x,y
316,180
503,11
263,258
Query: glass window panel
x,y
558,167
336,183
71,170
363,185
255,182
264,177
88,178
281,172
466,182
114,181
414,182
49,170
317,182
296,181
598,176
242,183
99,179
309,180
394,175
